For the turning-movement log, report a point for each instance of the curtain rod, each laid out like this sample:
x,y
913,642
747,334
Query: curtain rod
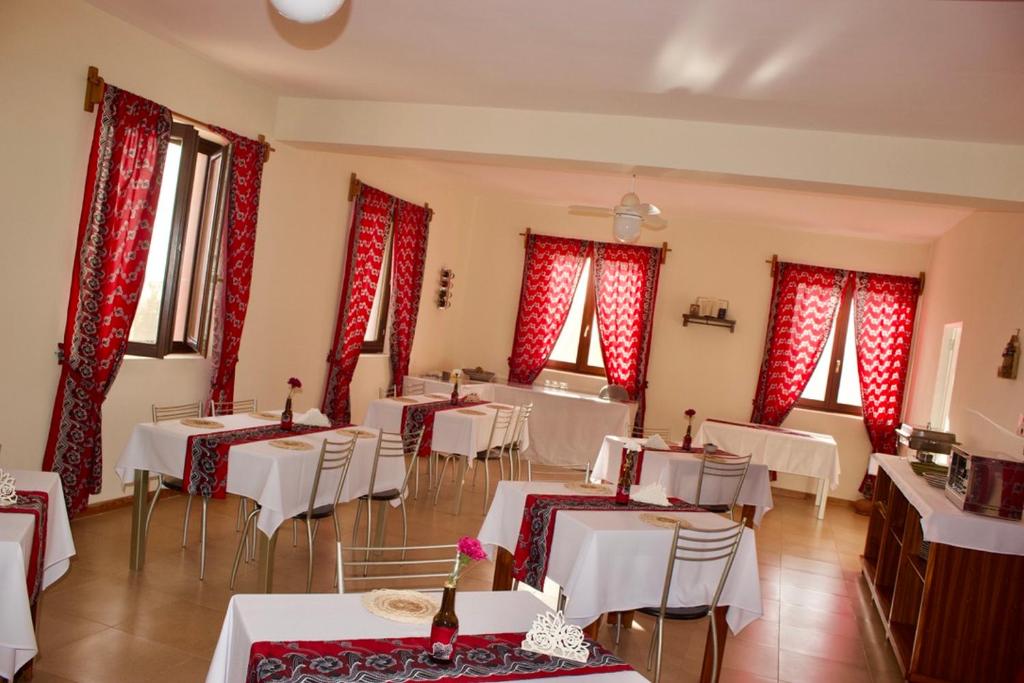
x,y
354,184
94,85
774,263
664,245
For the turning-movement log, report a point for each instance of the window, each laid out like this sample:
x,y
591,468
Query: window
x,y
578,348
377,326
835,385
176,301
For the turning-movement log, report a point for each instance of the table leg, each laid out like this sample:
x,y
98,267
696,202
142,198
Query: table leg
x,y
140,506
265,548
717,622
748,515
593,630
460,481
502,570
822,498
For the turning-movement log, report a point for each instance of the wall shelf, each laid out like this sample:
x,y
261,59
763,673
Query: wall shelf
x,y
709,320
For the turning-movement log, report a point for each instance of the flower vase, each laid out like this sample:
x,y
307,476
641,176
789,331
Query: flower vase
x,y
626,470
444,630
286,415
455,393
688,439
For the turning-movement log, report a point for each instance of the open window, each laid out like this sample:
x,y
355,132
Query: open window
x,y
578,348
834,385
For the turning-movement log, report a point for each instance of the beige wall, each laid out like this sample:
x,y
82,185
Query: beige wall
x,y
706,368
976,277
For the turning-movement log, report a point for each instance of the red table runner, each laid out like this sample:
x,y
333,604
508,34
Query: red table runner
x,y
533,549
491,657
37,504
670,449
767,428
422,415
206,455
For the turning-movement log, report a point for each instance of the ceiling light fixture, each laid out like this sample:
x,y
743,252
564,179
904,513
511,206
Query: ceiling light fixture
x,y
307,11
626,226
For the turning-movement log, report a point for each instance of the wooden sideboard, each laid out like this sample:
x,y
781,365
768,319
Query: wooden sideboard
x,y
951,613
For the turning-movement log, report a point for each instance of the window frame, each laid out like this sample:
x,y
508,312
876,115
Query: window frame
x,y
588,329
376,345
831,403
191,146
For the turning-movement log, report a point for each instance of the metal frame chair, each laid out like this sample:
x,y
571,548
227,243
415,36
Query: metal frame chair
x,y
334,455
723,467
163,414
644,432
693,545
386,392
219,408
515,444
389,445
414,387
445,560
501,425
546,472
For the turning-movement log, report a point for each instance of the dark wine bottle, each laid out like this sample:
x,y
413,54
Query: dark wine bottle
x,y
286,414
445,627
626,470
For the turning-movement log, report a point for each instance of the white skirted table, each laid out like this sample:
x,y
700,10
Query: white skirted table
x,y
784,450
17,632
289,618
279,480
678,472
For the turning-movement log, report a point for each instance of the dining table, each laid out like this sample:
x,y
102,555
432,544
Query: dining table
x,y
608,560
30,551
306,627
781,449
677,472
280,480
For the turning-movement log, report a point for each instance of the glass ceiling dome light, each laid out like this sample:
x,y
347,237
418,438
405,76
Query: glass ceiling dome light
x,y
307,11
626,227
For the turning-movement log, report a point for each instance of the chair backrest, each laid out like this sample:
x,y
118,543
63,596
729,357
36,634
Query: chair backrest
x,y
522,419
428,565
613,392
644,432
386,392
501,429
731,469
391,445
246,405
334,455
414,387
177,412
703,545
546,472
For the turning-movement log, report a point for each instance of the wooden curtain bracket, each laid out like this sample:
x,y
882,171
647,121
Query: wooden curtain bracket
x,y
354,185
526,237
664,252
774,261
920,278
430,212
94,85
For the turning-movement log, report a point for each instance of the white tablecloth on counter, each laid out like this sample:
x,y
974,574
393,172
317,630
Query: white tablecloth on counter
x,y
17,633
566,427
262,618
280,480
678,473
454,431
611,561
806,453
943,522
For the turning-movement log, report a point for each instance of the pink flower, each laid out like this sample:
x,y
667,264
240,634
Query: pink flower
x,y
690,412
471,548
294,382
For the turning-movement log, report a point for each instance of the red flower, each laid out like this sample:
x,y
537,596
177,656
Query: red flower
x,y
690,412
471,548
294,382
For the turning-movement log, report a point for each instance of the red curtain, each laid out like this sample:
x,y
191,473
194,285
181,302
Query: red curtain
x,y
371,223
551,272
804,303
626,286
239,246
122,187
408,257
884,309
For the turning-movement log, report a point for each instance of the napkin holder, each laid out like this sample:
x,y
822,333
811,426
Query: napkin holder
x,y
551,636
656,443
653,494
8,494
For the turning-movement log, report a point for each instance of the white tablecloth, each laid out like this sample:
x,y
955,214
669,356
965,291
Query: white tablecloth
x,y
17,634
943,522
280,480
260,618
454,431
807,453
678,473
484,390
611,561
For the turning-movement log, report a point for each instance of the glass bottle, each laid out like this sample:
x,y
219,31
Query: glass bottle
x,y
626,470
445,627
286,415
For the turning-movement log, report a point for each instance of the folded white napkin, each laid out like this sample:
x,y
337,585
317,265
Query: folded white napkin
x,y
656,443
313,418
653,493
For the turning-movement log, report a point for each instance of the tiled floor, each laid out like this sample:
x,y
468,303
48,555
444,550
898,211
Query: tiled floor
x,y
102,623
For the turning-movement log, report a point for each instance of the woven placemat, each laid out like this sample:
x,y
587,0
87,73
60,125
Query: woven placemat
x,y
265,415
437,396
404,399
358,433
202,423
291,444
403,606
587,487
663,520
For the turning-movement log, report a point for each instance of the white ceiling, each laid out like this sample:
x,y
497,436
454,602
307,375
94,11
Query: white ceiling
x,y
921,68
